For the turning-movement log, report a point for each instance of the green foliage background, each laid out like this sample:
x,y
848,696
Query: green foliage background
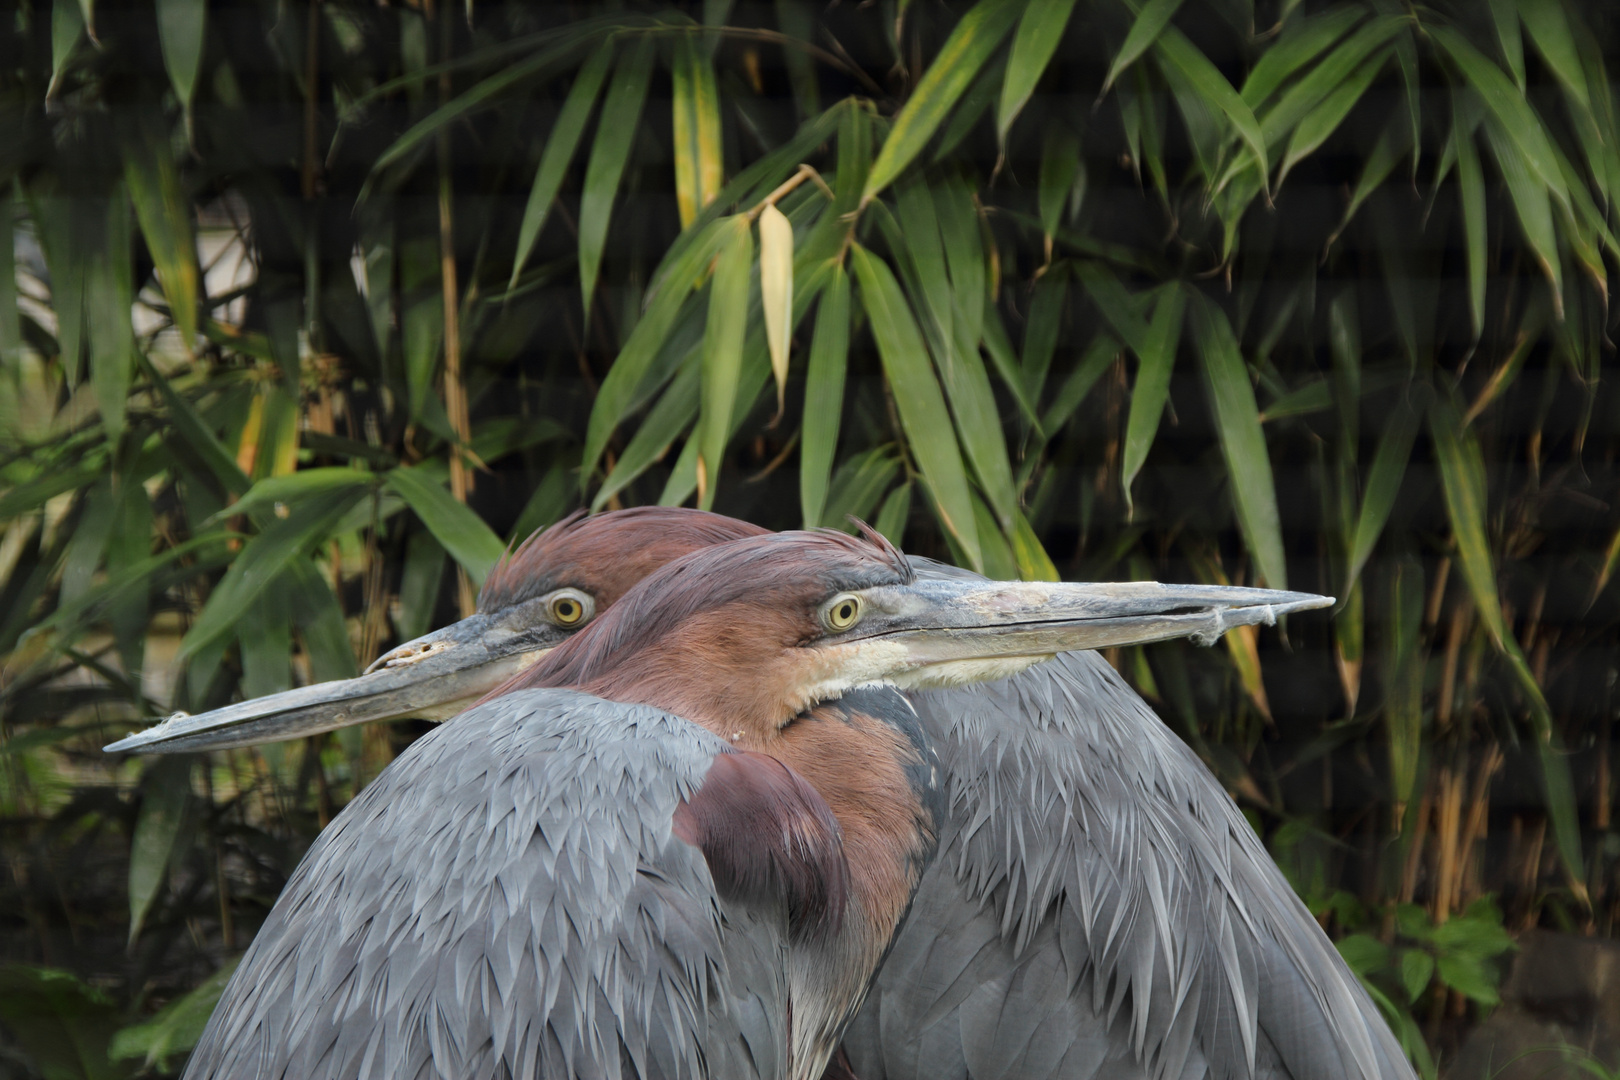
x,y
314,305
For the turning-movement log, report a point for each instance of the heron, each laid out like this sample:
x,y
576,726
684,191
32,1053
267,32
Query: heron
x,y
1099,907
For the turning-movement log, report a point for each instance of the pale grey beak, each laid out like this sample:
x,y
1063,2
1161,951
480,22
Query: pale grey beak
x,y
961,623
433,677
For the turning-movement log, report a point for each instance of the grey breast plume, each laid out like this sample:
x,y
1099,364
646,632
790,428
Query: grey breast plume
x,y
1100,907
506,900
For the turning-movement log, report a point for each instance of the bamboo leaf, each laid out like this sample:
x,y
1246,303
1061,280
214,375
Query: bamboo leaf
x,y
1386,154
1005,361
824,398
796,19
1243,446
67,29
1504,13
164,213
1403,691
918,400
1152,385
1061,172
1531,202
1471,193
696,121
723,353
776,292
891,519
164,793
858,485
1550,30
319,620
1383,485
1322,121
1303,42
1462,474
1145,29
615,134
1098,355
1119,307
109,296
419,585
182,27
1327,76
964,52
462,533
176,1027
559,152
616,396
1040,31
1182,57
1034,564
677,407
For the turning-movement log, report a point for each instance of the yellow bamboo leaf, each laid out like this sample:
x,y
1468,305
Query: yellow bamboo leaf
x,y
776,291
696,116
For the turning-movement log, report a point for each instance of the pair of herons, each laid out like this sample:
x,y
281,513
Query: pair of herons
x,y
736,804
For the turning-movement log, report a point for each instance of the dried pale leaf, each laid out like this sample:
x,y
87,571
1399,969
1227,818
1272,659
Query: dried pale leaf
x,y
776,292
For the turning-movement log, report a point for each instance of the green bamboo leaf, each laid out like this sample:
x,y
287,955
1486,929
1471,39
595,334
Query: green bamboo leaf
x,y
176,1027
1145,29
182,27
272,496
675,411
262,561
1327,76
1061,173
419,585
1005,361
1034,564
617,395
319,621
164,793
67,30
695,112
1471,193
1243,445
1386,154
1406,55
1508,106
959,60
164,213
824,398
10,323
615,134
109,296
1182,57
959,227
858,485
891,519
797,20
559,152
918,400
463,533
264,640
1550,30
1505,14
1041,330
1403,691
1040,31
1383,485
1098,355
723,353
999,563
1462,474
1532,203
1302,42
1322,121
1152,387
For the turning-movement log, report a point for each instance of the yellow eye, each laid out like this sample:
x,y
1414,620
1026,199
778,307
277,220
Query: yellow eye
x,y
843,613
569,608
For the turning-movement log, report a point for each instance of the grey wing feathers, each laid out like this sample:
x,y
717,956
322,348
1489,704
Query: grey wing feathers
x,y
1099,907
507,900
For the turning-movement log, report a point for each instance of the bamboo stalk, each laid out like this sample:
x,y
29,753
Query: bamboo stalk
x,y
1448,810
1479,808
1414,851
1448,677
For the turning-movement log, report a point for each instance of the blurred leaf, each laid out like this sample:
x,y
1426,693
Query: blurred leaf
x,y
824,398
67,28
858,485
264,639
182,26
1471,193
1417,969
164,213
419,585
677,408
1150,21
109,293
1034,564
559,153
958,61
1505,15
1383,486
1040,32
177,1027
277,493
264,558
615,134
1243,445
1181,56
1152,387
63,1024
319,620
1366,955
1469,976
1550,30
1327,77
1102,352
195,432
776,292
164,792
1314,128
1061,172
462,532
1403,682
1530,200
918,400
722,355
1302,42
796,19
891,519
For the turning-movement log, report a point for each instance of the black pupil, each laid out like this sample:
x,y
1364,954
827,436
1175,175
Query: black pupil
x,y
846,611
566,610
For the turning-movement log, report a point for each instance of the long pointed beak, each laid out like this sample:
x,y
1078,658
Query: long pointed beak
x,y
433,677
936,631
